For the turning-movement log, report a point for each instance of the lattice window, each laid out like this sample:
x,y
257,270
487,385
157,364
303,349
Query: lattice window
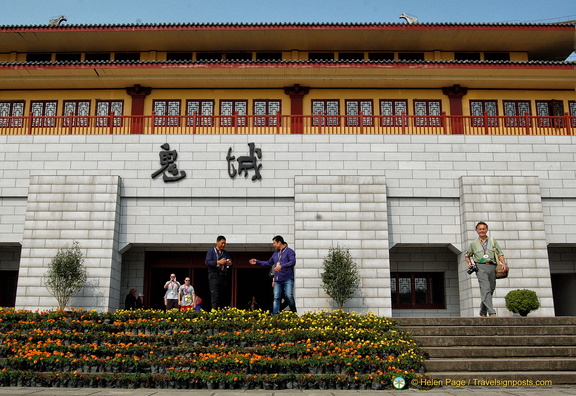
x,y
391,110
480,108
44,113
354,107
233,107
166,112
572,106
106,107
268,108
550,111
78,108
516,109
428,108
423,290
12,109
204,111
323,109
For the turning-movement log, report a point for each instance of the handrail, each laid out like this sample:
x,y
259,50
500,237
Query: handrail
x,y
288,124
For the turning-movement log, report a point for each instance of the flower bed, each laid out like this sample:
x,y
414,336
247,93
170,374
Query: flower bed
x,y
225,349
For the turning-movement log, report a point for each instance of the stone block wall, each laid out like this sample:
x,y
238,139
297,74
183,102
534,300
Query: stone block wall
x,y
372,192
63,209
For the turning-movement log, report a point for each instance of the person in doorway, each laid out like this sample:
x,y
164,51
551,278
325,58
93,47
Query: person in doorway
x,y
198,303
219,263
131,300
485,252
252,304
283,261
186,296
171,295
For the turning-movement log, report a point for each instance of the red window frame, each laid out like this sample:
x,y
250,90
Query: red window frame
x,y
266,112
14,116
430,107
353,108
167,112
323,112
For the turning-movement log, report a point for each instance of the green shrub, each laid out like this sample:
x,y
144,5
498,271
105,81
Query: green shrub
x,y
340,278
522,301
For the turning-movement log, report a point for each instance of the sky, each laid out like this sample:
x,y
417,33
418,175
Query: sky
x,y
39,12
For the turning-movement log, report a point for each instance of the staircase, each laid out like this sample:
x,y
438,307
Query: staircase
x,y
474,351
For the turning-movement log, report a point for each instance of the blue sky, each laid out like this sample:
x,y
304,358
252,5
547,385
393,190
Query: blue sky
x,y
35,12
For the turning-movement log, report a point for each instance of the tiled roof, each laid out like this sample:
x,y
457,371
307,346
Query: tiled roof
x,y
178,25
295,63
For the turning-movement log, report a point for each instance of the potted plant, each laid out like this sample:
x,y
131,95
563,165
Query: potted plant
x,y
340,278
522,301
66,274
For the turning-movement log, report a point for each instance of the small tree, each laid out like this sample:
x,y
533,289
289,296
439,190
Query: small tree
x,y
340,278
67,274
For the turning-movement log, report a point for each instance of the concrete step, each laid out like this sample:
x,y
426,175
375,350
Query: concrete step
x,y
473,331
509,364
501,352
501,380
496,351
499,341
498,321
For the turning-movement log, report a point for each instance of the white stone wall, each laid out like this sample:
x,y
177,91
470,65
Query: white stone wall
x,y
419,174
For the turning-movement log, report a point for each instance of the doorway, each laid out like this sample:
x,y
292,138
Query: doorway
x,y
245,280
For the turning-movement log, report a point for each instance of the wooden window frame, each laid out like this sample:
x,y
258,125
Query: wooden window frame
x,y
352,121
478,119
165,119
227,120
102,119
10,121
267,119
324,119
436,277
428,119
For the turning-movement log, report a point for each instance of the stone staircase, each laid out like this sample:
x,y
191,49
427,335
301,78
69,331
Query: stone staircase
x,y
473,351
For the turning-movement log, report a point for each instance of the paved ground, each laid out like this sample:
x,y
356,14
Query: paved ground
x,y
476,391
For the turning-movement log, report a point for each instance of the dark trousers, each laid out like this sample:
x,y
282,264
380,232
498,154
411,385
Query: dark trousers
x,y
218,283
170,304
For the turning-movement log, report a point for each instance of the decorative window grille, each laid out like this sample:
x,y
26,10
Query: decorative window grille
x,y
106,107
572,106
268,108
390,108
354,107
325,112
166,112
11,109
423,290
78,108
549,110
480,107
516,109
44,113
233,107
428,108
204,111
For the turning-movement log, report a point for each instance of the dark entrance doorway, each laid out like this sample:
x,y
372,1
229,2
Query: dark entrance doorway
x,y
8,285
246,280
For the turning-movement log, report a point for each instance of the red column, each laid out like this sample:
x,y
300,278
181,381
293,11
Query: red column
x,y
455,94
296,93
138,94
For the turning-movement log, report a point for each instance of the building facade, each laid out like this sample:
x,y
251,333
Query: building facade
x,y
144,143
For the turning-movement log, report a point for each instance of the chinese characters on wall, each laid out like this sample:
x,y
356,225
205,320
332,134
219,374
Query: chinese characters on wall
x,y
245,164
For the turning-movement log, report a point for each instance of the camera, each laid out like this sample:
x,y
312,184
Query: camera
x,y
472,270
